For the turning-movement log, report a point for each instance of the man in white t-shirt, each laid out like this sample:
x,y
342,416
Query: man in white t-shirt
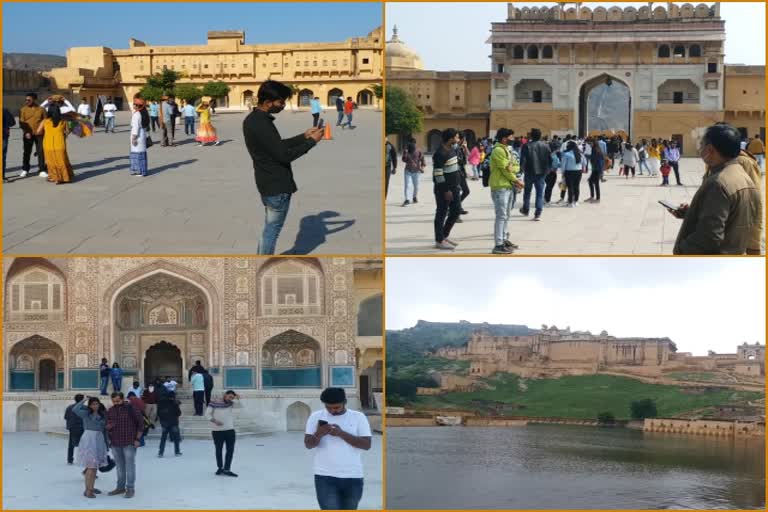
x,y
170,384
109,115
339,436
84,109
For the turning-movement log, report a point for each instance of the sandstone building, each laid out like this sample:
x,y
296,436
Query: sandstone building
x,y
277,330
325,70
552,348
655,73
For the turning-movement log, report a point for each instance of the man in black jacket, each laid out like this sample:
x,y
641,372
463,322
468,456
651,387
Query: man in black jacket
x,y
339,110
75,427
536,164
272,157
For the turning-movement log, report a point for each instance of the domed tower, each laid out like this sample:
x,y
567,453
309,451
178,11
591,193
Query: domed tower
x,y
399,57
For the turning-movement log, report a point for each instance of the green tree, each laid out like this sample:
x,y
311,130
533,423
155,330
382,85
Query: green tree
x,y
188,92
151,93
378,92
165,80
401,114
606,418
645,408
216,89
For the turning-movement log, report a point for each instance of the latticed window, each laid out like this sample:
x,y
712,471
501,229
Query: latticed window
x,y
291,289
37,295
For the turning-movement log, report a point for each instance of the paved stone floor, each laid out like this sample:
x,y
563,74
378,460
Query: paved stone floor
x,y
275,472
198,200
628,219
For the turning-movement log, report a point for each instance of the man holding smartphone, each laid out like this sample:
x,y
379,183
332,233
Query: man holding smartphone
x,y
339,436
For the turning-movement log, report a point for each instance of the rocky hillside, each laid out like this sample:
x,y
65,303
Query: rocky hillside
x,y
33,61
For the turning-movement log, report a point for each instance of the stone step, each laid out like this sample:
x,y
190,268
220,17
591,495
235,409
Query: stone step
x,y
190,433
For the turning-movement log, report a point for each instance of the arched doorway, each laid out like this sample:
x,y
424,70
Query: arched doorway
x,y
27,418
605,104
296,416
291,360
163,360
364,98
333,94
47,375
248,99
305,96
160,311
34,365
434,140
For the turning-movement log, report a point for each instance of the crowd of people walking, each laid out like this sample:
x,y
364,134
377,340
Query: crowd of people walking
x,y
536,164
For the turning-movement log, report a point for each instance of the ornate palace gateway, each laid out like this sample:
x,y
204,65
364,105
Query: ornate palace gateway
x,y
277,330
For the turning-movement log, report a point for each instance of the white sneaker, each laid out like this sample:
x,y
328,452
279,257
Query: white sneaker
x,y
445,246
23,174
43,174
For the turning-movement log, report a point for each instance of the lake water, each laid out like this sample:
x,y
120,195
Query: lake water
x,y
565,467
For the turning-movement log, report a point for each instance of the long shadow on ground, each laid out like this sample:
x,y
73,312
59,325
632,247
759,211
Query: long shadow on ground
x,y
313,230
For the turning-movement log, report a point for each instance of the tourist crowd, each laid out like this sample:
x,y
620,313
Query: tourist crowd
x,y
724,217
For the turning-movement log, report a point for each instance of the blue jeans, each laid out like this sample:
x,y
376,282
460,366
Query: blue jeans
x,y
533,180
109,121
276,210
189,125
502,204
125,458
117,383
340,118
104,384
349,121
413,177
338,493
644,163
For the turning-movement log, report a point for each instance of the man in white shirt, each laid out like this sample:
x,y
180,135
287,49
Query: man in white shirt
x,y
84,109
339,437
198,392
170,384
109,115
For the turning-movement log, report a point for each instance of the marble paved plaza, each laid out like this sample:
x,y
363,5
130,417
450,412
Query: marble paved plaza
x,y
275,472
628,219
198,200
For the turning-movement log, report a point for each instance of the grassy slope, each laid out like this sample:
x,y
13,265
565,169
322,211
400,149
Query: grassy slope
x,y
422,366
584,397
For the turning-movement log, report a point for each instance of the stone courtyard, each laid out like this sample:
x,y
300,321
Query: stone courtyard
x,y
198,200
37,476
628,220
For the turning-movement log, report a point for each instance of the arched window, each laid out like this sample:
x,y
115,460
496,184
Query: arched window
x,y
664,51
679,51
695,51
37,295
547,52
518,52
291,288
533,52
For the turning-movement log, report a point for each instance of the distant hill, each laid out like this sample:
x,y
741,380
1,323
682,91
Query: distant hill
x,y
33,61
405,345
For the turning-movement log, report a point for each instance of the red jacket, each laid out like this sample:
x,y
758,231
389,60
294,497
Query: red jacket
x,y
349,107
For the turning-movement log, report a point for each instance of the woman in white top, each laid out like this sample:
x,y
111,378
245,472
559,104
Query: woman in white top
x,y
139,127
629,159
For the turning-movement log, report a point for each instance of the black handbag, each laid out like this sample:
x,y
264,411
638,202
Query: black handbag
x,y
109,467
149,142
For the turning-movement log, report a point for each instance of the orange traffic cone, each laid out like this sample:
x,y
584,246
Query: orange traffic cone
x,y
327,135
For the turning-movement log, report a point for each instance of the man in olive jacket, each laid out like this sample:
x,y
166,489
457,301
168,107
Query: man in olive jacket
x,y
727,208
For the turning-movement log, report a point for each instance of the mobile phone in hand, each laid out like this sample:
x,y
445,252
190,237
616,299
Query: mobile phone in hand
x,y
321,124
667,204
322,422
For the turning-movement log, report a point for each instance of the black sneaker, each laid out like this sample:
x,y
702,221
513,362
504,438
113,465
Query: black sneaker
x,y
500,249
415,200
524,213
219,471
464,212
229,473
406,203
178,454
509,244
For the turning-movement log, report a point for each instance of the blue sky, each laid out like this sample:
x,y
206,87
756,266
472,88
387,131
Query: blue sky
x,y
469,23
700,303
36,27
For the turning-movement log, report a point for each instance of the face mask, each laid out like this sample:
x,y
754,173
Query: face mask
x,y
275,109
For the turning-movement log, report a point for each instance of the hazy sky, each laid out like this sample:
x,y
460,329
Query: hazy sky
x,y
36,27
422,27
701,304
